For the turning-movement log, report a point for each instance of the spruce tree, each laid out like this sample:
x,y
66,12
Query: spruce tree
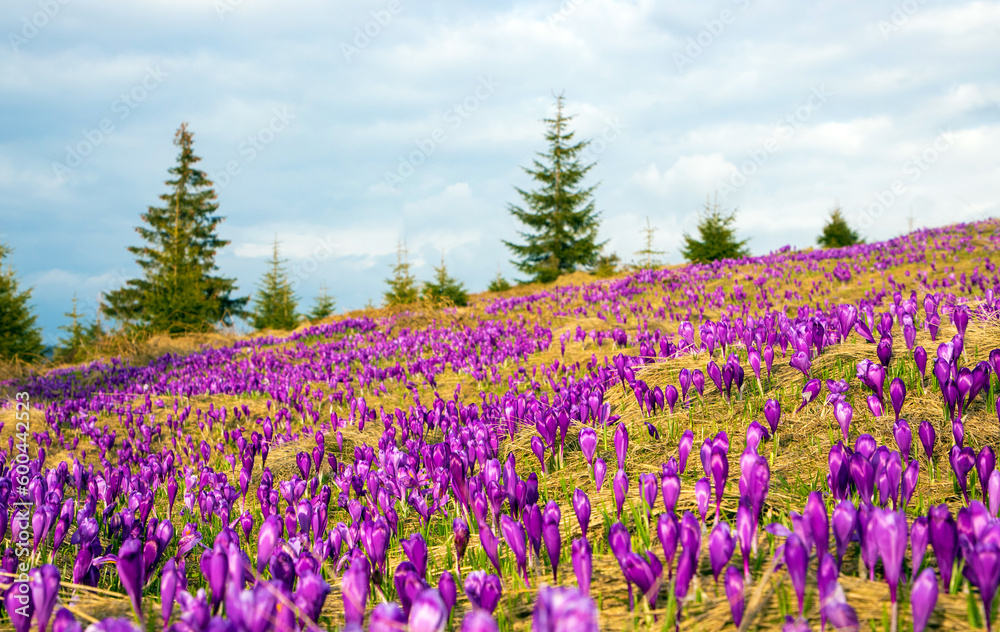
x,y
178,292
445,287
560,215
275,303
648,256
403,288
498,284
79,337
717,237
836,233
20,336
325,305
607,265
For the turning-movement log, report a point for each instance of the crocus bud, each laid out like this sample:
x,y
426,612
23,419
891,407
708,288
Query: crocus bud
x,y
583,565
843,413
600,469
130,572
772,413
354,589
721,545
415,549
588,443
684,448
667,530
620,488
460,529
581,506
797,562
551,536
923,598
734,593
428,612
387,617
475,621
702,492
944,540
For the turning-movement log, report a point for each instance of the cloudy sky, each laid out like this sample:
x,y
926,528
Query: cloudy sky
x,y
342,128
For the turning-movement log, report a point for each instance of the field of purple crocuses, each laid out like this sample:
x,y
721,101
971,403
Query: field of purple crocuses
x,y
799,441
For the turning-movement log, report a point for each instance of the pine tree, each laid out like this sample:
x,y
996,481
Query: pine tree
x,y
20,336
648,256
498,284
717,237
561,215
445,287
325,305
606,266
178,292
836,233
80,337
275,303
403,288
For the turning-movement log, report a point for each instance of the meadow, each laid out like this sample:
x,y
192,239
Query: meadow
x,y
797,440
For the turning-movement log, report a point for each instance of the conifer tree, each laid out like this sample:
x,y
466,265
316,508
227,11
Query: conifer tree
x,y
179,291
20,336
560,215
79,337
403,287
498,284
717,237
325,305
445,287
836,233
607,265
648,256
275,303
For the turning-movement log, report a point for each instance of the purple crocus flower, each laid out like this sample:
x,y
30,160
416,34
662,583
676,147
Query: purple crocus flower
x,y
810,392
64,621
923,598
818,523
581,507
648,489
772,413
800,361
920,358
702,494
993,492
891,534
875,405
644,572
904,437
720,473
559,609
845,524
843,413
927,436
621,444
600,469
583,564
588,443
620,489
919,535
986,463
721,545
44,585
130,572
387,617
490,543
734,593
460,530
670,487
667,530
910,476
270,532
897,395
354,589
797,561
684,448
474,621
983,560
448,590
944,540
415,549
428,613
551,535
513,535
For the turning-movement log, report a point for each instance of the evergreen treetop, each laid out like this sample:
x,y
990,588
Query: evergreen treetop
x,y
445,287
178,292
498,283
20,336
403,287
648,256
560,215
325,305
837,233
275,303
73,347
717,237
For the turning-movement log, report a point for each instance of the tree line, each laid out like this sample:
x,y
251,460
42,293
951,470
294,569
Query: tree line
x,y
180,290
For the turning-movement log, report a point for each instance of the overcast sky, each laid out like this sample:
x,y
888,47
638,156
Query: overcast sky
x,y
343,128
